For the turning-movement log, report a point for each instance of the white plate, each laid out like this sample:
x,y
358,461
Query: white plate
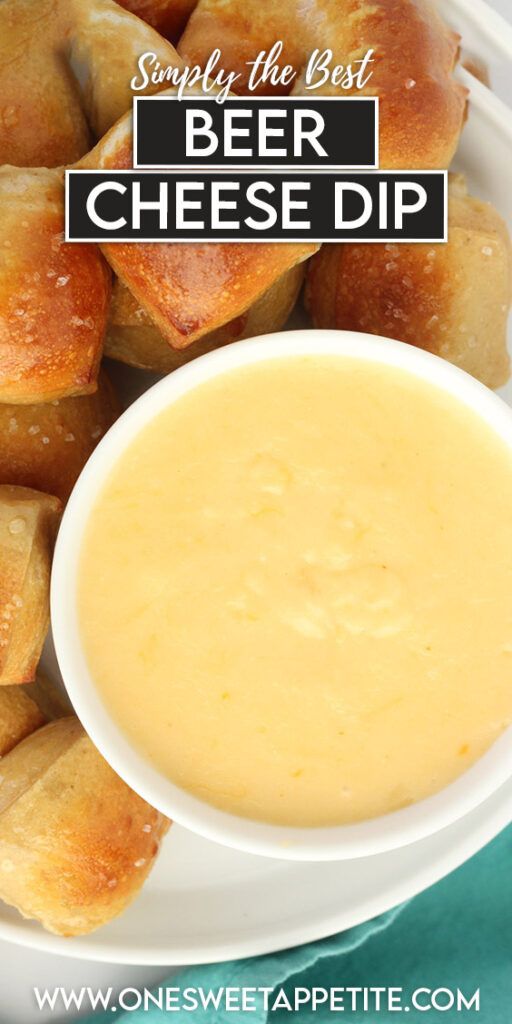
x,y
203,902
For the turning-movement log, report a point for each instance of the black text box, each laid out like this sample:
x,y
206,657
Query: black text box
x,y
349,136
375,206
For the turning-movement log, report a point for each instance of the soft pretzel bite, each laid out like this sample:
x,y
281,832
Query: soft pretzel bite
x,y
50,112
451,299
23,709
42,123
133,338
28,525
421,106
108,41
190,290
46,446
53,297
169,17
76,843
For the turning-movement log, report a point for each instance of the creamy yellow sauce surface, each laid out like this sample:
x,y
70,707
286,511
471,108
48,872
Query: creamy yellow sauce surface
x,y
296,591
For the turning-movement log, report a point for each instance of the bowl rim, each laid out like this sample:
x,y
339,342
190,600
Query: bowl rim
x,y
367,838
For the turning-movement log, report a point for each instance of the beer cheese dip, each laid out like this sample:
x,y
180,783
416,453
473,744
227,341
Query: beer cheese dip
x,y
295,590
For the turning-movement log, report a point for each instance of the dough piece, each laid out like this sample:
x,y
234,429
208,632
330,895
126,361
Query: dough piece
x,y
191,290
23,709
452,299
46,446
54,296
28,526
107,42
133,338
76,843
421,106
65,73
42,123
169,17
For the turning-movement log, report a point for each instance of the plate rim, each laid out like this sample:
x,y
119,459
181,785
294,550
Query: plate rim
x,y
431,872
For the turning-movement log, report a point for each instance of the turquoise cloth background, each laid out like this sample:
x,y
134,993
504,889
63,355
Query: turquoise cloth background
x,y
458,934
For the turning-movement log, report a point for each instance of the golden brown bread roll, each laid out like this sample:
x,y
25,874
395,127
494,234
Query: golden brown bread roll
x,y
190,290
45,107
46,446
19,717
51,699
28,526
42,123
107,41
451,299
75,842
421,106
23,709
169,17
53,297
133,338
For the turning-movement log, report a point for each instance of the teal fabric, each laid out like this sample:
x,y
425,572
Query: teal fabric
x,y
458,934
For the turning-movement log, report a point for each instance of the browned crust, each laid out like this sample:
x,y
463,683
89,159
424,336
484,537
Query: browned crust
x,y
108,41
45,112
450,299
19,717
53,296
132,337
46,446
168,17
421,106
242,28
28,526
81,842
23,709
41,119
191,289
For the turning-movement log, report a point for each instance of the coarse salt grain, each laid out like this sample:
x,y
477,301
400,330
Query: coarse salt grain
x,y
17,525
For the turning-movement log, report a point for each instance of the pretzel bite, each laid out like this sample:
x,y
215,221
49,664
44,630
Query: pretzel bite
x,y
190,290
19,717
23,709
421,106
53,296
46,446
76,843
133,338
42,123
107,42
451,299
28,526
169,17
49,115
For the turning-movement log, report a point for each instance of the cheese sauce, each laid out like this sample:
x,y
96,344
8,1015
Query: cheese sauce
x,y
295,590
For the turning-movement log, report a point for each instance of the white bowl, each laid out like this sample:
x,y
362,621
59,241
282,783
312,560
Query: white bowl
x,y
370,837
